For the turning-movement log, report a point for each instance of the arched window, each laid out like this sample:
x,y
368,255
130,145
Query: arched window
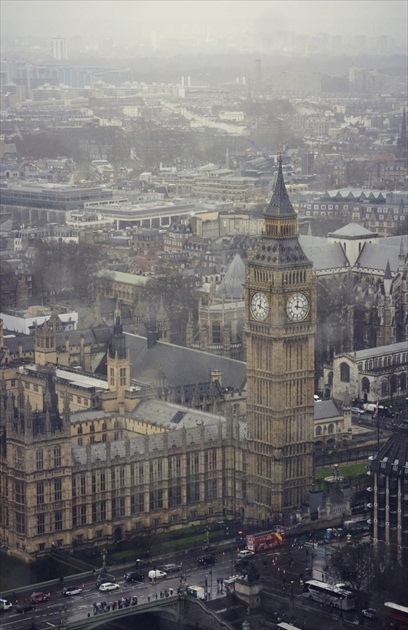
x,y
344,373
216,332
318,431
365,385
385,387
403,382
330,379
330,428
394,383
57,456
39,459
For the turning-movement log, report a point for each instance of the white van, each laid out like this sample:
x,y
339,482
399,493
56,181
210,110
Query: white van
x,y
5,605
155,574
371,407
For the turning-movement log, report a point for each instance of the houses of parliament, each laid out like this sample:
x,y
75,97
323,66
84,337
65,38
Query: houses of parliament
x,y
92,458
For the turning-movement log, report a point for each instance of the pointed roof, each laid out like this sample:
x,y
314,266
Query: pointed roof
x,y
280,204
232,285
387,273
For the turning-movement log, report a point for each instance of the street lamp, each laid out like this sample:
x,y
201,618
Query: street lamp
x,y
103,559
291,592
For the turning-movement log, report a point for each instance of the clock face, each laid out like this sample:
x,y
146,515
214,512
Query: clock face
x,y
297,307
259,306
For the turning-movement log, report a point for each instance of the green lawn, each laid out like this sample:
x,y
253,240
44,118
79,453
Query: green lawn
x,y
348,472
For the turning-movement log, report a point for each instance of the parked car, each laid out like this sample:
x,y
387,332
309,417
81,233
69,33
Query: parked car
x,y
5,605
171,568
156,574
357,411
207,560
72,590
369,613
135,576
25,607
108,586
245,553
39,596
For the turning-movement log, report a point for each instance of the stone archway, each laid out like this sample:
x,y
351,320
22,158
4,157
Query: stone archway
x,y
117,534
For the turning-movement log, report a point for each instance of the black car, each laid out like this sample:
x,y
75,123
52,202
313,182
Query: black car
x,y
25,607
207,560
135,576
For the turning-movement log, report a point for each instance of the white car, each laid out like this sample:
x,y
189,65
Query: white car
x,y
357,411
5,605
245,553
155,574
108,586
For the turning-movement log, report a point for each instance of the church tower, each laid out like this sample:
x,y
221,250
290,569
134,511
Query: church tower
x,y
280,298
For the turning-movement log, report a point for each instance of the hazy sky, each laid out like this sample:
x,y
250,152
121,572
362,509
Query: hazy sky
x,y
117,18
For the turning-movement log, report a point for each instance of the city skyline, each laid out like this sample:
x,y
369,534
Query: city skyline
x,y
256,21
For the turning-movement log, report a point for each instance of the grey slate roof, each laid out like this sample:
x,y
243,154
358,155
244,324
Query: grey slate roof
x,y
352,230
325,409
199,426
179,365
377,255
324,255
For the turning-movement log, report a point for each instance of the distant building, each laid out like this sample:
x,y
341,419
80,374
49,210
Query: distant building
x,y
59,48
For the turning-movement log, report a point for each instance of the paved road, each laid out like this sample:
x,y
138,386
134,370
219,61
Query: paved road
x,y
281,571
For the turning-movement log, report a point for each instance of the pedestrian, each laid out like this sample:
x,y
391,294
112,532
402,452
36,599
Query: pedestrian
x,y
171,591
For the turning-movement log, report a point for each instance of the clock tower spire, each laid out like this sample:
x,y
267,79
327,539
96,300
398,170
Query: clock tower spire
x,y
280,327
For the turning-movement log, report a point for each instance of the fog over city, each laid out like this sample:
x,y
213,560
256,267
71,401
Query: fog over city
x,y
225,23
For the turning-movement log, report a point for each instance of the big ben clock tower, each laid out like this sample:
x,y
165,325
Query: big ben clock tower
x,y
280,328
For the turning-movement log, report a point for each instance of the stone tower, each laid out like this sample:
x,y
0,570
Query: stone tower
x,y
280,328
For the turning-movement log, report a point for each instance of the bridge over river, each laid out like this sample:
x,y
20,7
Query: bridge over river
x,y
182,611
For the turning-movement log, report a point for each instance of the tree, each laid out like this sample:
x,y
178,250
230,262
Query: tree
x,y
61,269
369,572
353,565
177,296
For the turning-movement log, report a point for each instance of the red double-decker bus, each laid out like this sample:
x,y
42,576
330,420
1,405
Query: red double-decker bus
x,y
265,540
396,616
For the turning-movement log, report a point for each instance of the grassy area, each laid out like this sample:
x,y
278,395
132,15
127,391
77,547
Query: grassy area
x,y
348,472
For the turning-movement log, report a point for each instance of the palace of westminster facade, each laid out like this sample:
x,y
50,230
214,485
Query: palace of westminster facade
x,y
74,478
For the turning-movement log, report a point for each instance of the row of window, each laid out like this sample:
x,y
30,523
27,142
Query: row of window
x,y
383,361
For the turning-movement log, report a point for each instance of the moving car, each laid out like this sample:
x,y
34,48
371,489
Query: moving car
x,y
5,605
72,590
156,574
135,576
171,568
25,607
245,553
39,596
108,586
207,559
